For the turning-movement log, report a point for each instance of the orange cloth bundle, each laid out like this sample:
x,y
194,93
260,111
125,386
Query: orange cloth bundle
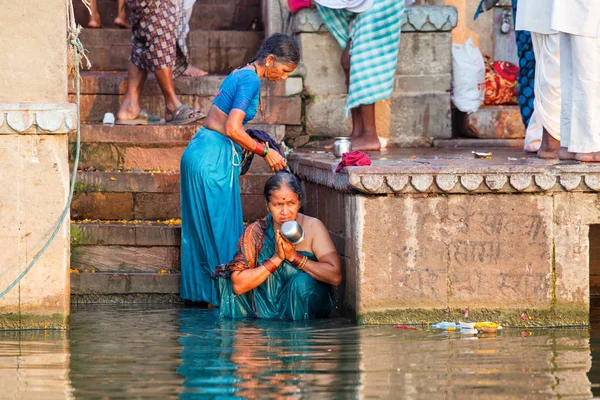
x,y
500,82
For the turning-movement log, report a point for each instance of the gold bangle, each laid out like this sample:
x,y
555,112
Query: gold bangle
x,y
302,263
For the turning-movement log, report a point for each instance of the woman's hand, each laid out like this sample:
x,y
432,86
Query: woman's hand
x,y
284,247
275,161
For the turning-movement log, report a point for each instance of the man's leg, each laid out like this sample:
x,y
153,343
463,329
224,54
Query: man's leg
x,y
165,81
130,108
369,139
585,123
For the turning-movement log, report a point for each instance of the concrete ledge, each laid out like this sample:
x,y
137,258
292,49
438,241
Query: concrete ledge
x,y
449,171
416,19
427,234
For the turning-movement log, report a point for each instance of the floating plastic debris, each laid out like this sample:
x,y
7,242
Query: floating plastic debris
x,y
445,325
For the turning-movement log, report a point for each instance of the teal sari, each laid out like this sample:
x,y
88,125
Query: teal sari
x,y
287,294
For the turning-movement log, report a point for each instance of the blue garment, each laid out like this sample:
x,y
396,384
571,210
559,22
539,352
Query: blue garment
x,y
287,294
211,206
526,78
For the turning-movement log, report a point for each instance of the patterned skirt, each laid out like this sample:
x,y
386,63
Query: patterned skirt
x,y
158,28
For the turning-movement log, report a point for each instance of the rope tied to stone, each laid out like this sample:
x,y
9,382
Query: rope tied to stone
x,y
78,51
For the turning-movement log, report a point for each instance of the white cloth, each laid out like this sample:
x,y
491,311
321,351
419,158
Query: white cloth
x,y
535,16
534,133
580,84
355,6
188,6
547,81
577,17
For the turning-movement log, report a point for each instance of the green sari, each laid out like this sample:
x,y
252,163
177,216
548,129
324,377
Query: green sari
x,y
287,294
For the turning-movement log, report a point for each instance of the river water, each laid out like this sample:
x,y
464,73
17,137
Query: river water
x,y
153,352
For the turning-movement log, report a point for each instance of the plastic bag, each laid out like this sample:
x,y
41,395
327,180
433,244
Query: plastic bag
x,y
468,77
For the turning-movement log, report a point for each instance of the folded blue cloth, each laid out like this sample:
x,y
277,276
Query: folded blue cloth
x,y
262,137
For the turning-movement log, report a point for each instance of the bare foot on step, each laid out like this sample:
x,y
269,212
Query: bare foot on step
x,y
549,148
366,144
565,154
194,71
121,22
588,157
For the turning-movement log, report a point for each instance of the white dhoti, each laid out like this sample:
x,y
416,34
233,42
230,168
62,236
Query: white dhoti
x,y
580,82
536,16
547,81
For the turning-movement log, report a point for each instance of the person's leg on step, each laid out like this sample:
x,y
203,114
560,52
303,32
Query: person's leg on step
x,y
130,108
121,18
188,7
585,123
368,139
94,22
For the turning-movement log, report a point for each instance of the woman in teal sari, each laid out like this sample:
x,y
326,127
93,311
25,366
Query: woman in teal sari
x,y
270,278
211,206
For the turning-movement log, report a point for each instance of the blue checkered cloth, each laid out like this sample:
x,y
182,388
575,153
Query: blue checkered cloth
x,y
374,52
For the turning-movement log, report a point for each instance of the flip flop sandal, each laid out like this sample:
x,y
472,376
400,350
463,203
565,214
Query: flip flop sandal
x,y
143,118
183,115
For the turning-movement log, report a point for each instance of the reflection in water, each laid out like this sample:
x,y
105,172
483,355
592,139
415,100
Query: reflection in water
x,y
34,365
258,359
154,352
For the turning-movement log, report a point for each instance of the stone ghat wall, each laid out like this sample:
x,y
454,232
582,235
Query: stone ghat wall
x,y
419,109
428,255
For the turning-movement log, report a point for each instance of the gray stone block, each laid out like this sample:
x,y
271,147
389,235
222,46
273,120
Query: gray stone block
x,y
416,119
325,116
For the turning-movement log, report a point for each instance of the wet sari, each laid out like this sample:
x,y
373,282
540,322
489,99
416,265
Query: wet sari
x,y
287,294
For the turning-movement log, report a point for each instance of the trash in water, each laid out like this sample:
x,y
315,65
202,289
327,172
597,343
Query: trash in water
x,y
410,328
445,325
481,154
486,327
466,325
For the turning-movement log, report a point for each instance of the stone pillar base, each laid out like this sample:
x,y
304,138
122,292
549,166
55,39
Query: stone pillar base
x,y
35,186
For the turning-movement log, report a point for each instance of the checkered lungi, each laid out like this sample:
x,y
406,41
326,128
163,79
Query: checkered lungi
x,y
158,35
375,37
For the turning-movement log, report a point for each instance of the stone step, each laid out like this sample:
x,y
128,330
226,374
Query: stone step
x,y
83,283
206,15
128,259
148,196
103,92
495,122
108,147
478,143
126,233
218,52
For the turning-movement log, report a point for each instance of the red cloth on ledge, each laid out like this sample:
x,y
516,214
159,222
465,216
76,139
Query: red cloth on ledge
x,y
353,159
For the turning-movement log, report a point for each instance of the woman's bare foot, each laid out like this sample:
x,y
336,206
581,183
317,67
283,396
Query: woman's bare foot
x,y
588,157
194,71
549,148
121,22
565,154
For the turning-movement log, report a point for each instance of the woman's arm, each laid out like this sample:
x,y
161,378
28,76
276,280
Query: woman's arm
x,y
329,267
244,281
